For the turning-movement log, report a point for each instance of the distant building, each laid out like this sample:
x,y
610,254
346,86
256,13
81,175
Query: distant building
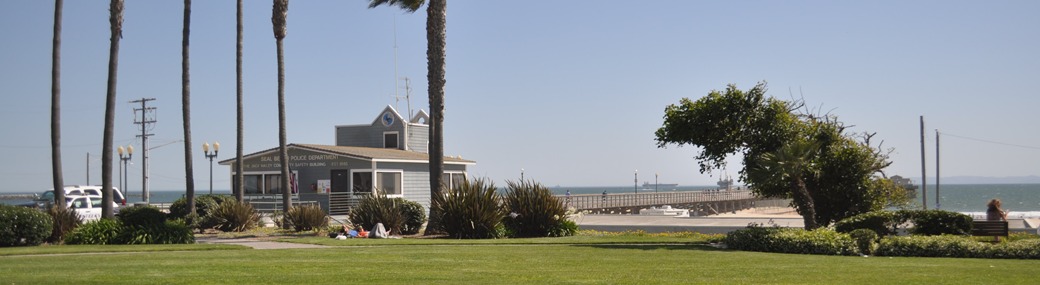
x,y
388,156
906,183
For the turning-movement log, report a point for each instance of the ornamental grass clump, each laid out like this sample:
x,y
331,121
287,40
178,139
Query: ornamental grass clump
x,y
470,210
535,212
306,218
65,220
204,205
234,216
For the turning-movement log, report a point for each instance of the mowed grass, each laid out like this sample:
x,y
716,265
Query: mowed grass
x,y
492,263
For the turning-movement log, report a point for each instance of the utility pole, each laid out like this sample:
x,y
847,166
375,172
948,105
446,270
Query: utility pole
x,y
147,117
88,169
924,180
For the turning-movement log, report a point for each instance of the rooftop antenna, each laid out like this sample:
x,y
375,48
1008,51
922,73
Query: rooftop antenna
x,y
407,86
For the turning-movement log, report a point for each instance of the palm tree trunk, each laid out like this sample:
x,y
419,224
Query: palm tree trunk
x,y
436,30
806,203
116,22
56,174
239,178
278,17
189,173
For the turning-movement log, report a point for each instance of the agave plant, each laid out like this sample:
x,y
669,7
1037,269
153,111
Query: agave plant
x,y
234,216
306,217
470,210
534,211
378,208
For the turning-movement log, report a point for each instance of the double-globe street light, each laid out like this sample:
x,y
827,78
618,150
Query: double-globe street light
x,y
123,178
210,156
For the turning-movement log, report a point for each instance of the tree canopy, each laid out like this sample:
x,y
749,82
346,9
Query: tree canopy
x,y
784,152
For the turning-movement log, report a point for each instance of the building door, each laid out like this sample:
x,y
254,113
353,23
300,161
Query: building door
x,y
340,180
340,199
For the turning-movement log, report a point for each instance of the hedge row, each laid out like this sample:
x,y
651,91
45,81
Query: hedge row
x,y
956,246
792,240
926,222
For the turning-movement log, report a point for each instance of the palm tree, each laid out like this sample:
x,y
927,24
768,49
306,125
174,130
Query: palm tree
x,y
116,23
56,175
239,178
791,164
436,30
189,173
278,15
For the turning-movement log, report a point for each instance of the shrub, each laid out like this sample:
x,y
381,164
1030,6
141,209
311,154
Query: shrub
x,y
169,232
203,204
533,211
378,208
103,231
865,240
883,223
791,240
20,226
470,210
414,216
306,217
929,246
141,216
234,216
938,222
65,220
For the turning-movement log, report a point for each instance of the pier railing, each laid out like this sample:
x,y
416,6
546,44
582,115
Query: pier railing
x,y
629,200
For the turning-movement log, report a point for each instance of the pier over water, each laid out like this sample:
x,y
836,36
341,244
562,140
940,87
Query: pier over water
x,y
705,202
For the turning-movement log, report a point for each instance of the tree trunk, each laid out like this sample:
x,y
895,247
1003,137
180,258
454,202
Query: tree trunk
x,y
805,203
189,173
116,22
56,175
278,19
436,30
239,178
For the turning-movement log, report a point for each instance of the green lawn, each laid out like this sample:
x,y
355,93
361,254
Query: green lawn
x,y
514,263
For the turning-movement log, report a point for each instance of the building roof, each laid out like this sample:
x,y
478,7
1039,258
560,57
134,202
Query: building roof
x,y
366,153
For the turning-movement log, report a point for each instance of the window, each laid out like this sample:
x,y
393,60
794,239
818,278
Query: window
x,y
390,140
253,184
389,183
273,184
361,182
95,202
453,179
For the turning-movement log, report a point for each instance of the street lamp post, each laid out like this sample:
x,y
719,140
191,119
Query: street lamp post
x,y
521,175
123,178
210,156
636,182
655,182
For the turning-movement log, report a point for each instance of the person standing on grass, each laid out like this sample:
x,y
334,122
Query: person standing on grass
x,y
995,213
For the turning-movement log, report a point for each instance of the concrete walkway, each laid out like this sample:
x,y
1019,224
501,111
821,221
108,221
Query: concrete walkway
x,y
257,243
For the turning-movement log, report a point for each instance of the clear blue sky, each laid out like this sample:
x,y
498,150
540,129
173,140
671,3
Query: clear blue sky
x,y
569,91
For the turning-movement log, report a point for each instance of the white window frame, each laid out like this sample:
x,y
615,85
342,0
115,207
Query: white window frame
x,y
351,180
396,133
400,181
451,182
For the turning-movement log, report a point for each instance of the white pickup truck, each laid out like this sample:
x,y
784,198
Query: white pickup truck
x,y
86,200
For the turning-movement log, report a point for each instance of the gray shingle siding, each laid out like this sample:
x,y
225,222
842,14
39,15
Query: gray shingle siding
x,y
416,178
419,138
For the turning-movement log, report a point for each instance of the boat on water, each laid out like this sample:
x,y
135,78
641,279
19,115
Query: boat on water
x,y
648,185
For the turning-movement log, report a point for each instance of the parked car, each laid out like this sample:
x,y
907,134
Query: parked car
x,y
47,197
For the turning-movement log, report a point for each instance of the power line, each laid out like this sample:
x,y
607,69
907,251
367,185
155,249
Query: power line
x,y
992,142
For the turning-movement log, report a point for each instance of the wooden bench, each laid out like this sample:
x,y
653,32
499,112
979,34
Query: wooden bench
x,y
989,228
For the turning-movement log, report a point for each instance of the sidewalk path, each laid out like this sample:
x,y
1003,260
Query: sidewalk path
x,y
257,243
